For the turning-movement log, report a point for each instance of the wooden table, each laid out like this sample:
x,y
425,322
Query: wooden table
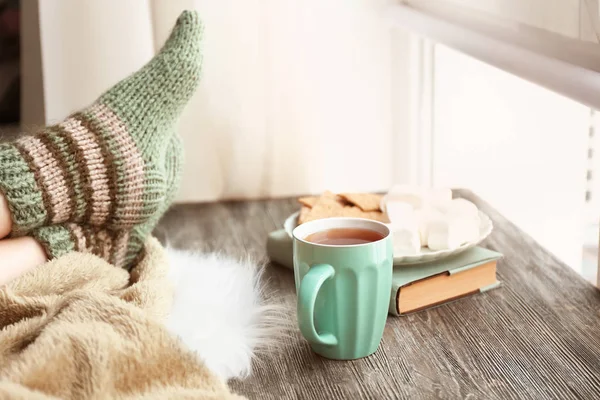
x,y
537,337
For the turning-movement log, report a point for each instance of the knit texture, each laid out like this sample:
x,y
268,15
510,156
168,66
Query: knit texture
x,y
119,247
113,167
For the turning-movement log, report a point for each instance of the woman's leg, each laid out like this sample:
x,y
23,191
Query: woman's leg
x,y
5,220
107,166
110,170
17,255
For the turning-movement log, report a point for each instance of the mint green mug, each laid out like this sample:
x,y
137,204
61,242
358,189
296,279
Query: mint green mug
x,y
343,290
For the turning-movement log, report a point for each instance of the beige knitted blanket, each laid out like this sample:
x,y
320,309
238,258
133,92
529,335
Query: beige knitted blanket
x,y
79,328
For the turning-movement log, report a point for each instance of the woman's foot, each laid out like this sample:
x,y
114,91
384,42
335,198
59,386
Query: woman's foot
x,y
107,166
100,180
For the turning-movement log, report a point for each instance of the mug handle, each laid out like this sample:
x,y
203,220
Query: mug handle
x,y
307,296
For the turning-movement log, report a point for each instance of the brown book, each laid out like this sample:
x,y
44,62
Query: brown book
x,y
422,286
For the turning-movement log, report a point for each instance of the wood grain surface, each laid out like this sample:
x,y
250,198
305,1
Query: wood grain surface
x,y
536,337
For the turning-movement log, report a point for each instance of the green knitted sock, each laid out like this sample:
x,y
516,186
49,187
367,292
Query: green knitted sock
x,y
104,167
119,247
140,232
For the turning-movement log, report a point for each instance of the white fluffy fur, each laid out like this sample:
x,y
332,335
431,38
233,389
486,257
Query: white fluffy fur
x,y
219,310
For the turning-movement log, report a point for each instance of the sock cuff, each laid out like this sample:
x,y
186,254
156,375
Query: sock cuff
x,y
57,240
18,185
61,239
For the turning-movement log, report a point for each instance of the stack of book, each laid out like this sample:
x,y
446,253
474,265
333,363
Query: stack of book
x,y
419,286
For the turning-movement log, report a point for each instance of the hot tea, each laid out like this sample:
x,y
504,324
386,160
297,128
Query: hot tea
x,y
344,236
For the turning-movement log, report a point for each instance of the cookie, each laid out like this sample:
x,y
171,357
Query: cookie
x,y
308,201
330,205
326,206
356,212
304,211
365,201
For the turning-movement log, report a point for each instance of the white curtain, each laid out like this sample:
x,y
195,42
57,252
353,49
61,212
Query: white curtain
x,y
296,96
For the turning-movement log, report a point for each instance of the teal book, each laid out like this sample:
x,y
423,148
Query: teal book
x,y
419,286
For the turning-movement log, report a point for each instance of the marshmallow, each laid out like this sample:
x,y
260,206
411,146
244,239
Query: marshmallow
x,y
418,197
424,217
412,195
438,197
450,232
397,211
460,208
429,217
406,241
470,227
404,227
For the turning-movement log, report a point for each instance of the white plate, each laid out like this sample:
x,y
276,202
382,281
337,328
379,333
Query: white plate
x,y
426,255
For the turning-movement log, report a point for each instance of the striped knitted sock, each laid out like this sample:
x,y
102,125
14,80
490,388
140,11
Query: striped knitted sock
x,y
119,247
105,167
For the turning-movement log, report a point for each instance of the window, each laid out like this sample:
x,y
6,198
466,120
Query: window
x,y
510,116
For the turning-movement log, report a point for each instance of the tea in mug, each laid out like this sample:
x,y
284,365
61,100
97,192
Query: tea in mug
x,y
344,236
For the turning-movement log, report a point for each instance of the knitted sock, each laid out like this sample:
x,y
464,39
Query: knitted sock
x,y
105,166
119,247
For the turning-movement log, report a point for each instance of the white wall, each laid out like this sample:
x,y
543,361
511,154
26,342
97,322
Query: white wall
x,y
88,46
